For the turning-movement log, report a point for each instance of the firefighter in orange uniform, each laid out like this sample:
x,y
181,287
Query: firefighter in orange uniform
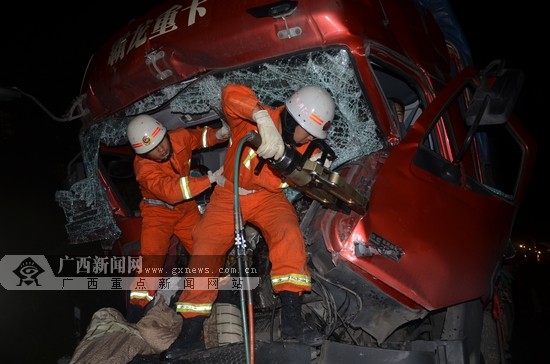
x,y
306,115
162,168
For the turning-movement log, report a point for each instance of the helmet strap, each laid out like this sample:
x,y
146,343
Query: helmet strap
x,y
289,126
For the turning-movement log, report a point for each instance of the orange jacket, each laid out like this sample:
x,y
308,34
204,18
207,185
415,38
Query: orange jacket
x,y
238,102
170,181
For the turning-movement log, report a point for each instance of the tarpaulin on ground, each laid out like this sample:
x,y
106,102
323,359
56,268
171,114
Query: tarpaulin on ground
x,y
110,339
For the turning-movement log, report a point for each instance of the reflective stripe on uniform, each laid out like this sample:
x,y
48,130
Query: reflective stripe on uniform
x,y
204,308
297,279
185,190
154,202
249,157
141,295
204,139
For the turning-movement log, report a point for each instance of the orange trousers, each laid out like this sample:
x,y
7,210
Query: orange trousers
x,y
159,223
214,235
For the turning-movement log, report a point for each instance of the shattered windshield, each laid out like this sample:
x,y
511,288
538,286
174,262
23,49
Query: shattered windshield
x,y
353,132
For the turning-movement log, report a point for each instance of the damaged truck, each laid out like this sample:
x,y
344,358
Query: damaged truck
x,y
408,231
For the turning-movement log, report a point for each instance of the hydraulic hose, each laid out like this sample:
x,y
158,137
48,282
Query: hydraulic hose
x,y
240,244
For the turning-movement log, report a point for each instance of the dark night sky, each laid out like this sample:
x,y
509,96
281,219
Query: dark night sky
x,y
46,47
506,30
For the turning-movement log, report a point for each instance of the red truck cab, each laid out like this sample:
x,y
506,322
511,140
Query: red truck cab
x,y
440,190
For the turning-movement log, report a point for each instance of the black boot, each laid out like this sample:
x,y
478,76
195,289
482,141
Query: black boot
x,y
134,313
188,340
293,326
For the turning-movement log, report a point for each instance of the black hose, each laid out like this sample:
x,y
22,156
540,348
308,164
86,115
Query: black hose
x,y
240,245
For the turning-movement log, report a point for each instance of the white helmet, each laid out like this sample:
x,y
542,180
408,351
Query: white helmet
x,y
313,108
145,133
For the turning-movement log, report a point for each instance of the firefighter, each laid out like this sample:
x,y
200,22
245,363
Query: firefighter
x,y
306,115
162,169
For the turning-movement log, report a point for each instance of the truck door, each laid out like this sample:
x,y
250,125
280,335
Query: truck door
x,y
448,204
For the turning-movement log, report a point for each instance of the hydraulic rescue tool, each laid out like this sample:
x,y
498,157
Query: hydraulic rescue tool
x,y
312,178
